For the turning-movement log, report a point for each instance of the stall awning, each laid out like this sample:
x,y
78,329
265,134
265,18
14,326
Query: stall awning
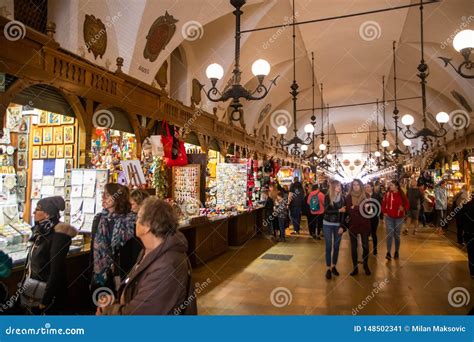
x,y
121,122
44,97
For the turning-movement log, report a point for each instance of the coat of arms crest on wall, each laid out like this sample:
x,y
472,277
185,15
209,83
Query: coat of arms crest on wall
x,y
159,35
95,36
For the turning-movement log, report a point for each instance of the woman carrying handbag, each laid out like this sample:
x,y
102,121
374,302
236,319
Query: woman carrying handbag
x,y
45,282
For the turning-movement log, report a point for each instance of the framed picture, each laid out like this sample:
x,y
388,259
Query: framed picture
x,y
54,119
69,165
37,136
24,125
14,117
52,151
22,160
22,142
43,118
68,135
60,151
44,152
67,120
5,140
47,135
35,152
68,151
57,135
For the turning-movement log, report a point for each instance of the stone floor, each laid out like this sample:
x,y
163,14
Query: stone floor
x,y
421,282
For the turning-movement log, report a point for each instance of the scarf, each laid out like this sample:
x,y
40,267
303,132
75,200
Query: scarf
x,y
44,227
357,197
113,232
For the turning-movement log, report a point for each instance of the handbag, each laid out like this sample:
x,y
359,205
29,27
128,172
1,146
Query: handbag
x,y
166,140
33,292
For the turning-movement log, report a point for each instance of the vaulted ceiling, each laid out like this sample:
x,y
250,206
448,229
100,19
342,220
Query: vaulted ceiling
x,y
351,54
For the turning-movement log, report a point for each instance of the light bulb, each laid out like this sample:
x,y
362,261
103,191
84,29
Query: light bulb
x,y
322,147
385,143
214,71
464,40
442,117
407,142
408,120
260,67
282,130
304,148
377,154
309,128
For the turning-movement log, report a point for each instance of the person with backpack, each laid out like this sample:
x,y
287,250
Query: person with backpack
x,y
333,226
394,205
315,202
295,201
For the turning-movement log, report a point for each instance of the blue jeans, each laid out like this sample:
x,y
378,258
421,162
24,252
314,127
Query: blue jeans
x,y
282,226
333,241
394,227
295,217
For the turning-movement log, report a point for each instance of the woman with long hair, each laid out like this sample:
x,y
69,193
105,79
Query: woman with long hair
x,y
358,222
115,247
394,206
333,226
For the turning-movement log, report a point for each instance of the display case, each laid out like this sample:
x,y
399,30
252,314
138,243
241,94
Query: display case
x,y
231,184
186,183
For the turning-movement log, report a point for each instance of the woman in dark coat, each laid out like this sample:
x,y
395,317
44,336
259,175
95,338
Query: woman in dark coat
x,y
46,260
358,223
160,283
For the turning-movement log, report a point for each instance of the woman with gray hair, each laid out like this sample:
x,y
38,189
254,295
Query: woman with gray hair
x,y
160,282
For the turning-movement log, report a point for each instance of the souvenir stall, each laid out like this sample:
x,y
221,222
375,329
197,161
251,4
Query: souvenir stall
x,y
109,148
40,150
214,158
285,176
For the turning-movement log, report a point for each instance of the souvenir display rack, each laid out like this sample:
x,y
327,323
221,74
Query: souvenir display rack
x,y
231,185
186,183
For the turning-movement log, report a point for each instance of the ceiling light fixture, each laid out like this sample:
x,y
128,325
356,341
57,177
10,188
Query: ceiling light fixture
x,y
464,44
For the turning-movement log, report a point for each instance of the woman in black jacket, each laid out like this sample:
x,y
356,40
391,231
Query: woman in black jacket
x,y
46,260
333,226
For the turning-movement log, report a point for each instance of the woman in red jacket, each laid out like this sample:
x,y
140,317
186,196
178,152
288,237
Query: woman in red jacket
x,y
394,206
358,223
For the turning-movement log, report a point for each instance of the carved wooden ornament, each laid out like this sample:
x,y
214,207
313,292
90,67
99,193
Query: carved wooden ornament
x,y
95,36
159,35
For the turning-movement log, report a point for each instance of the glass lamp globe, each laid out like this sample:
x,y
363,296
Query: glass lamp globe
x,y
214,71
408,120
442,117
377,154
385,143
309,128
322,147
304,148
282,130
464,40
260,67
407,142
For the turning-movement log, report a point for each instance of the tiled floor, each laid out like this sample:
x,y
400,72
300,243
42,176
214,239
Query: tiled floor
x,y
240,282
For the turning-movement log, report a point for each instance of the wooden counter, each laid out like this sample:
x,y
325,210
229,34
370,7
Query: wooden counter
x,y
242,228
